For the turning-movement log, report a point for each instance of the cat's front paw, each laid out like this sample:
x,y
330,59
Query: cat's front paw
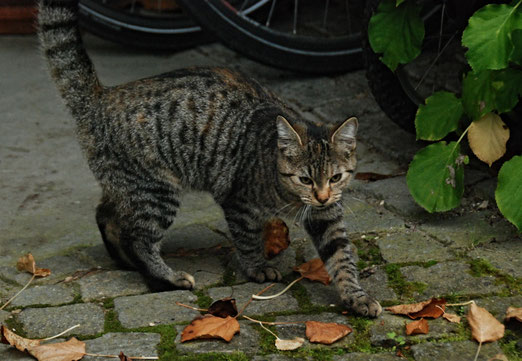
x,y
264,274
177,280
363,304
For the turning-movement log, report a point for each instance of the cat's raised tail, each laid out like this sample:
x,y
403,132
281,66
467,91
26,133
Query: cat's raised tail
x,y
62,46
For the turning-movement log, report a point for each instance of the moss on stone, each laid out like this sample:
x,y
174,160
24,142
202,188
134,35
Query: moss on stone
x,y
14,325
204,300
229,277
399,284
480,267
211,356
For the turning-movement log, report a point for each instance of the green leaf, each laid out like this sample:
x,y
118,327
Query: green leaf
x,y
398,2
516,55
436,177
489,90
396,32
509,191
488,36
439,116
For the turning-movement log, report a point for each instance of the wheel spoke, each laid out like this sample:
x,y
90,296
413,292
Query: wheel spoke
x,y
296,2
272,7
325,17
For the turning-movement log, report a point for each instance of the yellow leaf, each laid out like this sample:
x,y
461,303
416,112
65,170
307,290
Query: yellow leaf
x,y
289,345
484,327
72,350
487,138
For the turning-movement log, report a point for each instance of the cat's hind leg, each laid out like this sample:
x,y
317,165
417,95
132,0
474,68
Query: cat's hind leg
x,y
134,236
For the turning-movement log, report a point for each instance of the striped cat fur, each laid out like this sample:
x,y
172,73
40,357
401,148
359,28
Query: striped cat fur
x,y
208,129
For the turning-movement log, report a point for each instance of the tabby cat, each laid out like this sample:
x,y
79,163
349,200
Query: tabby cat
x,y
207,129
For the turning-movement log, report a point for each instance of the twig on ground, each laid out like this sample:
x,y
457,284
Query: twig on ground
x,y
192,308
273,323
258,297
251,298
60,334
460,304
12,298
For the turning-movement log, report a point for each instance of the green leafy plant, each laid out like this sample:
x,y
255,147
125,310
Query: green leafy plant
x,y
398,340
491,87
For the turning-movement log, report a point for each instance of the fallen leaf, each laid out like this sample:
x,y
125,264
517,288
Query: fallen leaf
x,y
451,317
499,357
484,327
421,309
289,345
417,327
71,350
27,263
276,237
223,308
210,326
399,354
123,357
325,333
513,312
314,270
434,309
487,138
372,177
21,343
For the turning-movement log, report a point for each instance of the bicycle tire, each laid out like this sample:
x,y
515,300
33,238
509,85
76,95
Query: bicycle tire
x,y
151,33
292,52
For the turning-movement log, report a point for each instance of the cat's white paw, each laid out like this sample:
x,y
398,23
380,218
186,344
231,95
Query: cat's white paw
x,y
183,280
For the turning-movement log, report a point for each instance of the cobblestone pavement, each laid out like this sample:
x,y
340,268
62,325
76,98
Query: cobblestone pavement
x,y
47,204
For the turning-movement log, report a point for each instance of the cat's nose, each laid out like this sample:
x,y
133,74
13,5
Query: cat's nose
x,y
322,200
322,197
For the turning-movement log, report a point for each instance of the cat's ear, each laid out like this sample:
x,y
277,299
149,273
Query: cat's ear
x,y
344,134
288,140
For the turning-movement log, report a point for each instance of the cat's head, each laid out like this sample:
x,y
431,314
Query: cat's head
x,y
316,162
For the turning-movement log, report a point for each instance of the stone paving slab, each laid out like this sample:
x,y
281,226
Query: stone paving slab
x,y
278,358
107,284
206,269
8,353
246,341
439,329
498,306
155,309
138,344
469,230
51,295
360,217
192,236
4,315
396,196
504,256
412,246
448,278
359,356
242,294
454,351
291,331
49,321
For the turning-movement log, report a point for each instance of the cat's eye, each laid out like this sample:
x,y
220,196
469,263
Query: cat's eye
x,y
305,180
336,178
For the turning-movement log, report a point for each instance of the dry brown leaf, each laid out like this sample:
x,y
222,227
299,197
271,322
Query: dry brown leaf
x,y
325,333
289,345
123,357
434,309
487,138
422,309
451,317
27,263
276,237
21,343
484,327
417,327
513,312
210,326
223,308
499,357
314,270
71,350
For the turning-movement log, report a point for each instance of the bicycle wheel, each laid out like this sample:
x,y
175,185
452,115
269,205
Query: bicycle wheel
x,y
317,37
147,24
